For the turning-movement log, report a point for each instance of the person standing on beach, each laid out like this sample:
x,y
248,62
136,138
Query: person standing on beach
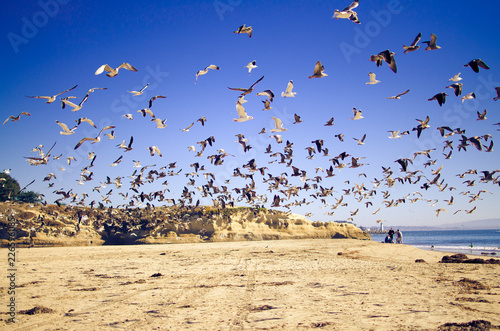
x,y
391,235
399,237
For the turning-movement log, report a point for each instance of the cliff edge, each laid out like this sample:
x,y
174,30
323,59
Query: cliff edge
x,y
53,225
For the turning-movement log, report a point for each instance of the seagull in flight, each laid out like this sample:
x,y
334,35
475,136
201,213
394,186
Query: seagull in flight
x,y
65,101
413,47
153,150
251,65
159,123
187,129
113,72
475,64
386,56
52,98
498,93
361,141
398,96
456,78
16,118
246,91
348,12
154,98
357,114
373,79
66,131
431,45
288,92
244,29
278,125
440,98
469,96
137,93
457,87
204,71
242,114
96,139
318,71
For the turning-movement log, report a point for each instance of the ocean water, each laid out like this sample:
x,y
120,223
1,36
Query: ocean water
x,y
476,242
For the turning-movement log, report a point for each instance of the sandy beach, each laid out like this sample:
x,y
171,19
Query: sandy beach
x,y
335,284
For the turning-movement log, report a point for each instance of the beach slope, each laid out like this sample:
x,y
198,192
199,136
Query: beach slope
x,y
339,284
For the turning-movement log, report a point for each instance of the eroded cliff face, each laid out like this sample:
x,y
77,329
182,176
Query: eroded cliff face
x,y
52,225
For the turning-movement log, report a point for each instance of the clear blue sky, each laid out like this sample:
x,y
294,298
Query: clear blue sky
x,y
50,46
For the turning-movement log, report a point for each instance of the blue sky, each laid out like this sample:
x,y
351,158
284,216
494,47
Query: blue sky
x,y
50,46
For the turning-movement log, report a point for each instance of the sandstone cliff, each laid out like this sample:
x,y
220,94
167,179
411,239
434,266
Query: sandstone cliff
x,y
53,225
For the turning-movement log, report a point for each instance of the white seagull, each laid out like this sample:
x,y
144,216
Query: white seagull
x,y
398,96
113,72
242,114
456,78
288,92
66,131
357,114
348,12
278,125
159,123
204,71
250,66
16,118
373,79
137,93
51,99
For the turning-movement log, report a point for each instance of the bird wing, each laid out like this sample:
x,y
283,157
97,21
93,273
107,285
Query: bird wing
x,y
127,66
241,110
213,67
106,128
103,68
277,123
39,97
403,93
189,126
353,5
63,126
66,90
69,103
372,76
83,140
417,39
8,118
482,64
89,121
261,78
289,87
433,40
318,68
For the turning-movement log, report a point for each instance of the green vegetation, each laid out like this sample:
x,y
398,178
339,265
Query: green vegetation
x,y
9,190
9,187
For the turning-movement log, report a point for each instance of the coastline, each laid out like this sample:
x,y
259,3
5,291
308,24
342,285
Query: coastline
x,y
284,284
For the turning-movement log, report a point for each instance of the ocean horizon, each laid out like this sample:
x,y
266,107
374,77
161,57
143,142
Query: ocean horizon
x,y
475,242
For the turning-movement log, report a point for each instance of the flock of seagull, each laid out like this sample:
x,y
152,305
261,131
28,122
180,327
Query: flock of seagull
x,y
284,192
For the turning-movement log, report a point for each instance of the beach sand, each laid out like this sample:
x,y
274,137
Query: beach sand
x,y
334,284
